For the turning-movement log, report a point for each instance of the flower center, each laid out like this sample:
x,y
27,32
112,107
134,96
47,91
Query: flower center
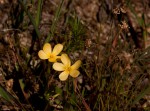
x,y
51,56
68,69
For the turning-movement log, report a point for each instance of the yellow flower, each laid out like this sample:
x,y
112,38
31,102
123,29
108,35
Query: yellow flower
x,y
48,53
66,67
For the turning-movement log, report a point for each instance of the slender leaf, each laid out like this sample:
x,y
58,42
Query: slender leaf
x,y
39,11
30,17
141,95
54,22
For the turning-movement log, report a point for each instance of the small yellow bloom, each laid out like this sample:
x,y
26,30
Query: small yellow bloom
x,y
48,53
66,67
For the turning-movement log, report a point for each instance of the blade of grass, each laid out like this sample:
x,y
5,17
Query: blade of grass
x,y
9,98
141,95
4,94
139,20
39,11
54,22
22,86
30,17
87,107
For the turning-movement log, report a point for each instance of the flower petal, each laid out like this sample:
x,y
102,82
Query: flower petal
x,y
58,66
76,65
42,55
64,75
58,57
47,49
74,73
57,49
65,60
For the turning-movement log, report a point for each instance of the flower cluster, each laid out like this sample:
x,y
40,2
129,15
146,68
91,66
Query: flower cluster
x,y
65,64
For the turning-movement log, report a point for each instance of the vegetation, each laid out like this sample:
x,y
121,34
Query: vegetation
x,y
103,58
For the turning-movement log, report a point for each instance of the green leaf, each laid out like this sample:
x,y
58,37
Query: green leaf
x,y
54,22
39,11
4,94
141,95
30,17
